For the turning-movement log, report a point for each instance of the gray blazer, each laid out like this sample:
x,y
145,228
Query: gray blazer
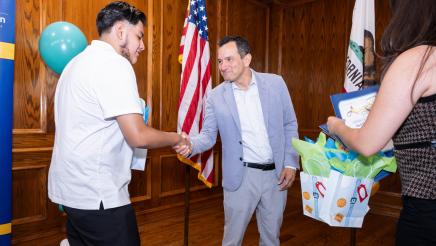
x,y
221,114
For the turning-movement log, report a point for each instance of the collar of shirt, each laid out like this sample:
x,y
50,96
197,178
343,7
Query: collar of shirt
x,y
102,45
253,82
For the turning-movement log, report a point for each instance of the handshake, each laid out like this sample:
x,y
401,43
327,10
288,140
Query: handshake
x,y
184,145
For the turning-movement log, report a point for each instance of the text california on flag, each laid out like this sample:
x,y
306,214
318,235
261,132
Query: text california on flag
x,y
195,84
360,64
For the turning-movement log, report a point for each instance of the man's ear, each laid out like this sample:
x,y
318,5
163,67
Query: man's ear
x,y
247,59
119,30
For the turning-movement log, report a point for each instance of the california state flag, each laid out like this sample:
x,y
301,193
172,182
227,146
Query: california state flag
x,y
360,65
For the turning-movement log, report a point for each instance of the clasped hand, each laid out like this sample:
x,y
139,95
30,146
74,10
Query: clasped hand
x,y
184,146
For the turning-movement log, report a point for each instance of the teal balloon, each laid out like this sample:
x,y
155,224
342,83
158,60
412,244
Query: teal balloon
x,y
59,43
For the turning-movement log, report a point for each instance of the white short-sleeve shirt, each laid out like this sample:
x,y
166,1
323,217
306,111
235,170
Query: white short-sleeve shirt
x,y
91,158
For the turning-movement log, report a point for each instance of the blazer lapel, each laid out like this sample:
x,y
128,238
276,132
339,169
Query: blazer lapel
x,y
229,98
264,97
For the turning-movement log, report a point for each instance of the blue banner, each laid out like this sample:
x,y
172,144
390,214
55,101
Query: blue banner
x,y
7,50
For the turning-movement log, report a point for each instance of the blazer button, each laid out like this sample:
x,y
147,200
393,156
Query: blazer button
x,y
240,158
240,142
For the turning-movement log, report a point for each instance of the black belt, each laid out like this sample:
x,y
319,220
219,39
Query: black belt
x,y
263,167
417,145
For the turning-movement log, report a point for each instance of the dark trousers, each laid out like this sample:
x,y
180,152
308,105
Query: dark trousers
x,y
114,226
417,223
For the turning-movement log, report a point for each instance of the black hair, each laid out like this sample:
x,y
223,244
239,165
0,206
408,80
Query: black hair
x,y
241,44
118,11
413,23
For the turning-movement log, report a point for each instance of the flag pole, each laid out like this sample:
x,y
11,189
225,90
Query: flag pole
x,y
353,237
186,210
195,83
361,56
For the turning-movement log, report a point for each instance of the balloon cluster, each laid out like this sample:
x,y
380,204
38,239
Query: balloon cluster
x,y
59,43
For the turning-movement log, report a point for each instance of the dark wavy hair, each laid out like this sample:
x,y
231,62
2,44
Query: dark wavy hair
x,y
118,11
413,23
241,43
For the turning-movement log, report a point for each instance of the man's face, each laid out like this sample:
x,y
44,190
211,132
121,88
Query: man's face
x,y
133,43
230,63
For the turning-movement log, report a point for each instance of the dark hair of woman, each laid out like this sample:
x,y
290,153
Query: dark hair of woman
x,y
413,23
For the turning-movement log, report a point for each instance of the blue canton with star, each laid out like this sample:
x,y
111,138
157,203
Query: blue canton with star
x,y
197,16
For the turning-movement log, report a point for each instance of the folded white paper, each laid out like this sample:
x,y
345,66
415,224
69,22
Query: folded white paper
x,y
140,155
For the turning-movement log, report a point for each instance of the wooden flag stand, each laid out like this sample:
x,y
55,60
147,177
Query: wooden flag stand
x,y
353,236
186,207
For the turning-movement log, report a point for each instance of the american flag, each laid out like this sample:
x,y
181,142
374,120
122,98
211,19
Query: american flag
x,y
195,84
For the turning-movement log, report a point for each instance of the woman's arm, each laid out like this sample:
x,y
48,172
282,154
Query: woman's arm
x,y
392,106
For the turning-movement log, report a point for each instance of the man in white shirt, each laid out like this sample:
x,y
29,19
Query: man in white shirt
x,y
99,122
254,115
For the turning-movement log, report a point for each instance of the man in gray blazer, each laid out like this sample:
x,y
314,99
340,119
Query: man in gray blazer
x,y
254,114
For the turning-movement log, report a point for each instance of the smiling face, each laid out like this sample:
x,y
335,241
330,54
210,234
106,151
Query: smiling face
x,y
230,63
132,42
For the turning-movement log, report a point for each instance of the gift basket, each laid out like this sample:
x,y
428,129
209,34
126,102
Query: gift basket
x,y
336,183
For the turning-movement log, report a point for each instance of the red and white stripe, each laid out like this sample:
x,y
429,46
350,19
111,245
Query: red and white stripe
x,y
195,84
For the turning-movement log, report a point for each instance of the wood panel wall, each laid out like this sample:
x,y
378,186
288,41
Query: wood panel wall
x,y
303,40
